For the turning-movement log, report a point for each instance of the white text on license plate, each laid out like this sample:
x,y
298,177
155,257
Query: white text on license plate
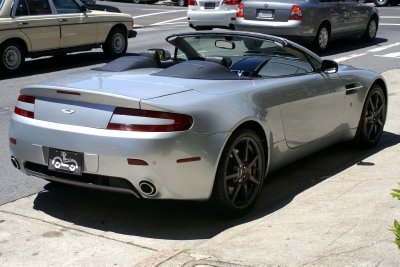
x,y
265,14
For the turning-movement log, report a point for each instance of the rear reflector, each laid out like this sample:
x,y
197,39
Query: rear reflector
x,y
25,106
13,141
188,160
239,11
137,162
126,119
67,92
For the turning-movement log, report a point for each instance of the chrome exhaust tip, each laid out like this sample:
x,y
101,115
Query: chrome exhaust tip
x,y
147,188
14,162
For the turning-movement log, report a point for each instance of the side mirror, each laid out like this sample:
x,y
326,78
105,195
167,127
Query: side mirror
x,y
164,54
329,66
84,8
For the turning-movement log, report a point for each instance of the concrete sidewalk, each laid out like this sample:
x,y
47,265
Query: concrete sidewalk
x,y
339,216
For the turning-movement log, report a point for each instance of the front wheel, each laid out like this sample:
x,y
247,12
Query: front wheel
x,y
239,176
321,39
370,32
12,57
116,43
372,119
136,1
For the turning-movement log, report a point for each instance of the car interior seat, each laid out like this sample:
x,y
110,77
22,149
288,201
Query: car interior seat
x,y
224,61
153,55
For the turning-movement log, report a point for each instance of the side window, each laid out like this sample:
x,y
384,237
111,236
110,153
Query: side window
x,y
66,6
22,9
38,7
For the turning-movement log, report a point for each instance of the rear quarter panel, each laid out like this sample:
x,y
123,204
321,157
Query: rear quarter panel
x,y
107,20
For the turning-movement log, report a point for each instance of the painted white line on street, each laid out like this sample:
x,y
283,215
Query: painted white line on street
x,y
165,22
160,28
394,55
349,57
389,17
152,14
383,47
389,24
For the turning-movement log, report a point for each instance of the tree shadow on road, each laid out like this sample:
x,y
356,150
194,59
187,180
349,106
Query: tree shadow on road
x,y
60,63
189,220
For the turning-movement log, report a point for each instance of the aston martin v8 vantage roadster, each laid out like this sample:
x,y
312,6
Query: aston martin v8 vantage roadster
x,y
206,122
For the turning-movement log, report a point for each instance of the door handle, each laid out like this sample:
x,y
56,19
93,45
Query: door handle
x,y
63,20
23,23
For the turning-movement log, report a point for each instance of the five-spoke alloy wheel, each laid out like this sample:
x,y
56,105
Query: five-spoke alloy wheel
x,y
372,119
239,175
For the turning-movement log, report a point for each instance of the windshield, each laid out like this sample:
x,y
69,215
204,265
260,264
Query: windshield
x,y
247,55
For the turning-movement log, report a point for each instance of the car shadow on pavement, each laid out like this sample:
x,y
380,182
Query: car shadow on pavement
x,y
190,220
59,63
348,45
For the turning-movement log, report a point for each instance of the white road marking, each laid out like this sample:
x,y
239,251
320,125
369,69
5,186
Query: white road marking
x,y
149,29
393,55
389,24
165,22
390,17
349,57
383,47
153,14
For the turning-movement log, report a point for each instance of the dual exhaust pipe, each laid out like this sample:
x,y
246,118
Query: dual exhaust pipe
x,y
15,162
147,188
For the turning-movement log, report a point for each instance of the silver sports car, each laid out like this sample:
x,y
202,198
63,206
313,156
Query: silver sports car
x,y
309,21
207,123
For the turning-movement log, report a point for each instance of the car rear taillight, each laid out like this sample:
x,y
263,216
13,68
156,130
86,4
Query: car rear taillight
x,y
231,2
192,3
25,106
295,13
127,119
239,11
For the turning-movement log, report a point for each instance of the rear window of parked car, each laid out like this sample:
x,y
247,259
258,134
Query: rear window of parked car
x,y
32,7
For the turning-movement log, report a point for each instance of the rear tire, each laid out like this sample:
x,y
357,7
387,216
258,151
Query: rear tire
x,y
322,38
370,31
380,3
373,118
116,43
12,56
239,176
181,2
136,1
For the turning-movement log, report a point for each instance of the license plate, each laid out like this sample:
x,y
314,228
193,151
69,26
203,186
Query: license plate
x,y
265,14
65,161
209,6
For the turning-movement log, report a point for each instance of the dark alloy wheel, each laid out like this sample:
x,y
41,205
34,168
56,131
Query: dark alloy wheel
x,y
322,38
370,31
239,175
116,43
372,119
12,57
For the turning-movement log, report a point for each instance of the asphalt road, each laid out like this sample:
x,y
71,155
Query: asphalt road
x,y
154,23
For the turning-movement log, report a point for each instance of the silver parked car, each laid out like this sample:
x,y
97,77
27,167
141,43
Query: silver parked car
x,y
309,21
207,124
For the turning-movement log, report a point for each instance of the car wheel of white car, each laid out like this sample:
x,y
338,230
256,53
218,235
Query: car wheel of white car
x,y
322,38
381,2
116,43
12,57
370,32
239,176
372,119
181,3
136,1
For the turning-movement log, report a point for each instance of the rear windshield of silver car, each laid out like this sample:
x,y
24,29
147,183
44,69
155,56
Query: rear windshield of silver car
x,y
1,3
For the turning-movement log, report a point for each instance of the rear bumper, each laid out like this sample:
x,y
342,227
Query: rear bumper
x,y
291,30
105,154
222,19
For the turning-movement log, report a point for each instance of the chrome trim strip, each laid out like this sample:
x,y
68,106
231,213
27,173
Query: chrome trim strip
x,y
91,186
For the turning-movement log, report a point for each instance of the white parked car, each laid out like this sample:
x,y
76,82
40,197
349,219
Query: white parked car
x,y
36,28
209,14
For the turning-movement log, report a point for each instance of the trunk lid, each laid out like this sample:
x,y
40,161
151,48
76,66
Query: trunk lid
x,y
271,11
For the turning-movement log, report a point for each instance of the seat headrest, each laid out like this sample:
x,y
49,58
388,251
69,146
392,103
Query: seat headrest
x,y
153,55
224,61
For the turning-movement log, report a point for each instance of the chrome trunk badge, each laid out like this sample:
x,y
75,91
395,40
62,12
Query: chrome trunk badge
x,y
266,5
67,111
